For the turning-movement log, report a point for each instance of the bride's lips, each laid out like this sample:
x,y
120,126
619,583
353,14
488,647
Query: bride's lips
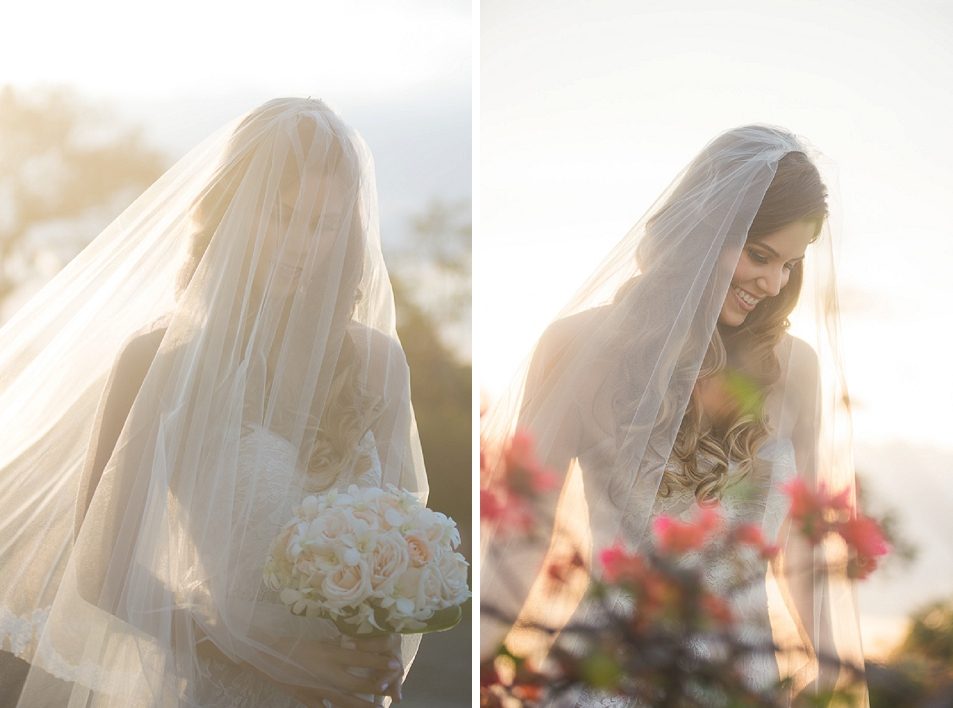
x,y
741,303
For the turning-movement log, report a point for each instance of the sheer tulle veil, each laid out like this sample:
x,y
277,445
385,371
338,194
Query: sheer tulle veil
x,y
257,259
610,380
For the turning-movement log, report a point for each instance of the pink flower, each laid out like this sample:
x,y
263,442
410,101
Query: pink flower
x,y
620,566
803,500
674,536
867,543
716,609
865,536
751,535
815,511
524,473
507,510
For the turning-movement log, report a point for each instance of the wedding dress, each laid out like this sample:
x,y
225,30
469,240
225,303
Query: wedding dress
x,y
268,460
259,254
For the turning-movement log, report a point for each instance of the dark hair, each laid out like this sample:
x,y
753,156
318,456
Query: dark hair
x,y
796,193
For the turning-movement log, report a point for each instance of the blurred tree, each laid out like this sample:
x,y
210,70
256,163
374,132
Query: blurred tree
x,y
61,160
431,280
436,261
920,670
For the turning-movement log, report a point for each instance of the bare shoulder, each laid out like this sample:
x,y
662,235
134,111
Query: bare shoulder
x,y
801,357
567,331
139,351
382,351
800,373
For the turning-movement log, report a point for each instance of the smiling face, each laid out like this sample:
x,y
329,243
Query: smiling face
x,y
763,269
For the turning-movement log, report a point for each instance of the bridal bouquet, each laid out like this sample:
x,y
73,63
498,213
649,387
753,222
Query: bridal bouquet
x,y
372,560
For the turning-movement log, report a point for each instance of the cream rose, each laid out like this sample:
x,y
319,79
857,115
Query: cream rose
x,y
346,586
419,549
450,570
389,560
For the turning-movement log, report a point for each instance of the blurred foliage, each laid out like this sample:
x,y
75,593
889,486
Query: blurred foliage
x,y
440,379
434,264
920,671
60,157
903,552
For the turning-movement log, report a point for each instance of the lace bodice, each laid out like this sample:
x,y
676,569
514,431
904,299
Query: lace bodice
x,y
270,484
754,499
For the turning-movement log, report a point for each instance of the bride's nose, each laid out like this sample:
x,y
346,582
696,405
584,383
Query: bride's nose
x,y
771,282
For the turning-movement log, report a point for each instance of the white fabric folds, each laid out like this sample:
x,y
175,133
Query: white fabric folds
x,y
225,347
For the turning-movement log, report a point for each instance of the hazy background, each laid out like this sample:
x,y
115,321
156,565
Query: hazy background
x,y
99,98
588,110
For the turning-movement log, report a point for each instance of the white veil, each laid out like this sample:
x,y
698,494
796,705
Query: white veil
x,y
611,379
251,276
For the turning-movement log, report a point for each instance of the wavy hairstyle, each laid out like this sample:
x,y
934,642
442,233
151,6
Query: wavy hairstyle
x,y
741,363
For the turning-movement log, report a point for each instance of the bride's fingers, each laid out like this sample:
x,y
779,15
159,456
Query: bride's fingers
x,y
319,653
385,644
356,657
317,699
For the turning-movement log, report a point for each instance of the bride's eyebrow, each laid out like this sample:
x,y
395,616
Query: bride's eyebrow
x,y
774,253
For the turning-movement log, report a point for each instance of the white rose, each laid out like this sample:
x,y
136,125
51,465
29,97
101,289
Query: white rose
x,y
309,508
410,593
388,560
336,526
346,586
450,570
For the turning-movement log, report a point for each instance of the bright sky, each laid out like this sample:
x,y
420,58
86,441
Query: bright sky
x,y
588,110
398,72
347,48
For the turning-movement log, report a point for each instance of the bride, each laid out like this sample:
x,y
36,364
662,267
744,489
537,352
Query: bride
x,y
224,348
671,382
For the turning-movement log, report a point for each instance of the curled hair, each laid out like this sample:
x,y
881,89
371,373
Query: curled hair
x,y
746,354
737,359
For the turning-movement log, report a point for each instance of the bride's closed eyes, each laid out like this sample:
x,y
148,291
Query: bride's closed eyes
x,y
763,259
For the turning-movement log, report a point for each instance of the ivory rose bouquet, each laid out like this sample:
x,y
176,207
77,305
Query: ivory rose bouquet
x,y
372,560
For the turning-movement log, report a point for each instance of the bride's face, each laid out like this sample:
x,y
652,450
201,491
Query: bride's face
x,y
294,232
763,270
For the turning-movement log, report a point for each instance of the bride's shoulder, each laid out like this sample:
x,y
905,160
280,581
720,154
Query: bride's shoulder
x,y
574,328
797,356
800,372
377,346
140,348
386,370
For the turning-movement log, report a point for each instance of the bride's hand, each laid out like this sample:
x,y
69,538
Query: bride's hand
x,y
378,659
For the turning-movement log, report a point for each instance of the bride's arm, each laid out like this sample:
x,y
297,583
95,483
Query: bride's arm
x,y
388,378
803,577
122,386
512,564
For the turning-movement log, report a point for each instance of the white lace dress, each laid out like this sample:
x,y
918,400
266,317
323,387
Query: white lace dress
x,y
757,500
267,461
